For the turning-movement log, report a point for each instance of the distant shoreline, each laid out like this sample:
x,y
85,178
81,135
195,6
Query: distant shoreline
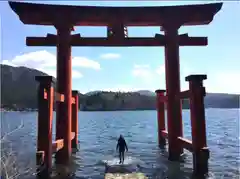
x,y
25,97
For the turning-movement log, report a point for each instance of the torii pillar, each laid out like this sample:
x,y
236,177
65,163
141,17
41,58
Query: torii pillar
x,y
174,108
64,86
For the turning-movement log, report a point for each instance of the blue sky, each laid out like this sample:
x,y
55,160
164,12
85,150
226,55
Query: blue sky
x,y
132,68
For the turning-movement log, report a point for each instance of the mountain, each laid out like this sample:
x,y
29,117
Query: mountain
x,y
19,91
18,86
141,92
221,100
211,100
146,93
91,93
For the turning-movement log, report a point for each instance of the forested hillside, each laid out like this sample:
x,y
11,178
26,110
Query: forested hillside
x,y
19,92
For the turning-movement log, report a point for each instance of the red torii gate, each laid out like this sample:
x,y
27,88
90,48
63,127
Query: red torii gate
x,y
169,18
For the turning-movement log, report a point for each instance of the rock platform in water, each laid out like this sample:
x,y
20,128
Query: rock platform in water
x,y
137,175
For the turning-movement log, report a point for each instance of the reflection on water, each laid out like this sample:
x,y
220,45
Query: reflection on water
x,y
98,134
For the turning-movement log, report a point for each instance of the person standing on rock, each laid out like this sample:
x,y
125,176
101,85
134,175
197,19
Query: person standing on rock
x,y
121,146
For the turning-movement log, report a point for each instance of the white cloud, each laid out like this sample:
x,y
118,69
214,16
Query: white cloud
x,y
51,72
85,63
218,82
110,56
76,74
147,74
155,76
6,62
146,66
223,82
33,60
142,71
46,62
161,70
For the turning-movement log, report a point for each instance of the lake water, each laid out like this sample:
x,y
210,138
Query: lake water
x,y
98,133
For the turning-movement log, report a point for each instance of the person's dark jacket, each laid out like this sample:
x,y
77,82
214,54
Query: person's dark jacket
x,y
121,145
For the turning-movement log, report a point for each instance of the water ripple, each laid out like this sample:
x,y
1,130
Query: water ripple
x,y
99,131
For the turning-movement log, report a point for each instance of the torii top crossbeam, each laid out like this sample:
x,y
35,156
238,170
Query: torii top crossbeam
x,y
116,19
42,14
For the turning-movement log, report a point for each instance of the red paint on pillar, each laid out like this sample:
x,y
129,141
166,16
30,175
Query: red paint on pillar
x,y
174,107
64,86
45,116
160,117
197,110
75,108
